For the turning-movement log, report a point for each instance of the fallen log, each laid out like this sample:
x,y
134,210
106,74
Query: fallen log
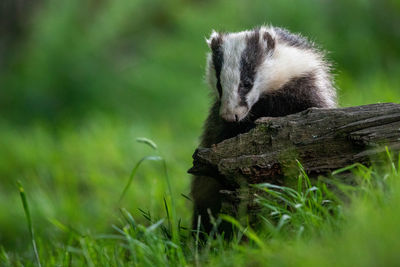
x,y
323,140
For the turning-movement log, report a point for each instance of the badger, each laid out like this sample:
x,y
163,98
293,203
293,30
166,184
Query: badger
x,y
264,72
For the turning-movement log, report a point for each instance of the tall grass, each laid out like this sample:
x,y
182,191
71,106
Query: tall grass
x,y
294,221
29,221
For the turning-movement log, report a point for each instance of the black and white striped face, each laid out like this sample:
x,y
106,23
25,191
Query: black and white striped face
x,y
232,69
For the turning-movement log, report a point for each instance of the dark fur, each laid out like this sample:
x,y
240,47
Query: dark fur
x,y
218,60
292,39
252,57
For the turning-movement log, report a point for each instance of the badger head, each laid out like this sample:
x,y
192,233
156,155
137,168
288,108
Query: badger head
x,y
232,67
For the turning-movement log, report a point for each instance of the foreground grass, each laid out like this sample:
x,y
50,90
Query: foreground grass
x,y
76,175
308,225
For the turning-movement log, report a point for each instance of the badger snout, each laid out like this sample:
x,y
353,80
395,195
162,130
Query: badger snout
x,y
234,115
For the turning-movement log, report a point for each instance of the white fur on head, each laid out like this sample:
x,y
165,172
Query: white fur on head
x,y
233,47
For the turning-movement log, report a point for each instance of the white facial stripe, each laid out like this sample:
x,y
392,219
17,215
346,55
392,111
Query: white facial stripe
x,y
233,47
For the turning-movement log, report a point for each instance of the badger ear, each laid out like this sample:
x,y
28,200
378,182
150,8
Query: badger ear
x,y
268,40
214,35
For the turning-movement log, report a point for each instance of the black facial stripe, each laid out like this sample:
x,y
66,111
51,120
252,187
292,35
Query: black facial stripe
x,y
251,58
218,60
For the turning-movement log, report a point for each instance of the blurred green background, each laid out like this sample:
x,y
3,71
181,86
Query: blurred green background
x,y
81,80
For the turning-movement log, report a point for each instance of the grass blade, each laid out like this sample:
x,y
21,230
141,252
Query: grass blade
x,y
133,173
147,141
246,231
4,256
29,220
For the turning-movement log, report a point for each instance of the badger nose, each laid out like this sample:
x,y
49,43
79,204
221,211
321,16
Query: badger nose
x,y
228,117
233,114
231,117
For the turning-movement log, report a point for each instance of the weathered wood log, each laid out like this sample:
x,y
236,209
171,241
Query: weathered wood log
x,y
323,140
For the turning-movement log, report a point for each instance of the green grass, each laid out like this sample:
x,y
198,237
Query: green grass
x,y
306,226
77,175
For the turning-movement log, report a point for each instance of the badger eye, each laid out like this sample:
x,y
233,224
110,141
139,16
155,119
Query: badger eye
x,y
246,84
244,89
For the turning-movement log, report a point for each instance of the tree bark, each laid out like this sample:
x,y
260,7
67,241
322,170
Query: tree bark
x,y
321,139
